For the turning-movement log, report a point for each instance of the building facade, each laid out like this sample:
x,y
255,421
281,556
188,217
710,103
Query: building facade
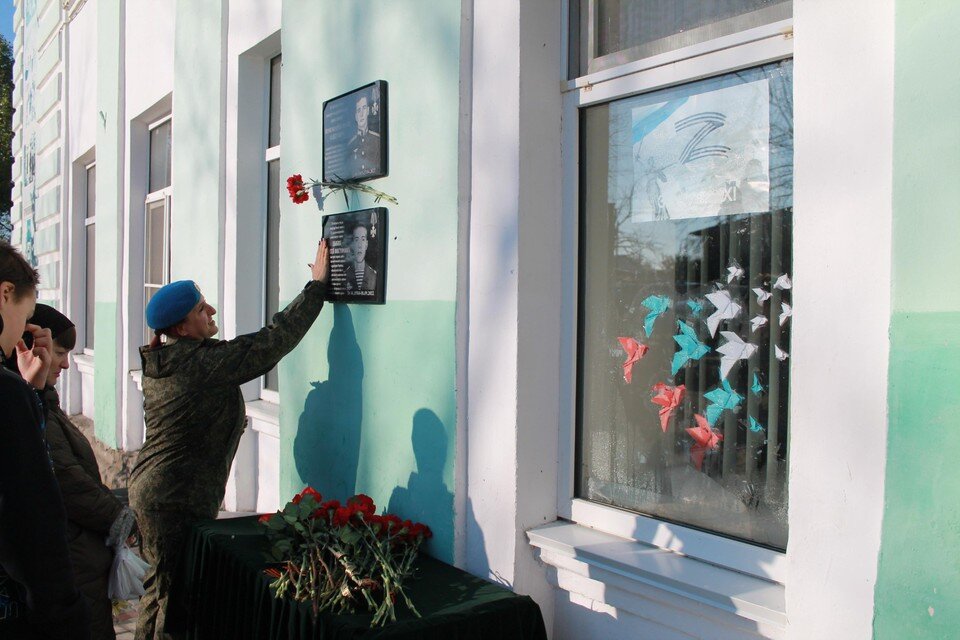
x,y
600,203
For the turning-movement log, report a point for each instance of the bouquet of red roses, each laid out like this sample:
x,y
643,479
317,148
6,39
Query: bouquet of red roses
x,y
339,556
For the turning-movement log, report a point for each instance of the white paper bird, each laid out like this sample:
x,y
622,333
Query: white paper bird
x,y
781,354
726,309
786,313
733,350
756,322
783,282
734,272
762,296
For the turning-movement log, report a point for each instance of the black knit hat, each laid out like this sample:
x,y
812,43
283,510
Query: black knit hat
x,y
46,317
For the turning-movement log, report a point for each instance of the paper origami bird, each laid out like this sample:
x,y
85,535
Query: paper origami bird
x,y
757,321
704,438
721,398
781,354
734,272
756,387
635,351
669,398
755,426
733,350
786,313
695,307
783,282
690,347
726,309
762,296
658,305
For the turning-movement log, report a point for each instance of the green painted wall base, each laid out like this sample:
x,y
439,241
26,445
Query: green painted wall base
x,y
918,587
369,407
105,374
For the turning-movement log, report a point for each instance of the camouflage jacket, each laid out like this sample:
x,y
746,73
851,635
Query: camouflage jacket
x,y
194,410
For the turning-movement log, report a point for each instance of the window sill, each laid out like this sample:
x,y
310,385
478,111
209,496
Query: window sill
x,y
660,585
84,363
265,417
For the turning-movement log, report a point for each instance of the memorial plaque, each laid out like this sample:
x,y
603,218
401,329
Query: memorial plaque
x,y
355,134
358,255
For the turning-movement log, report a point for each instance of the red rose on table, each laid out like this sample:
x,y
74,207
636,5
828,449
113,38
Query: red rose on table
x,y
363,504
307,491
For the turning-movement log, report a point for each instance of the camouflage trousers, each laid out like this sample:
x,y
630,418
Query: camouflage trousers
x,y
163,534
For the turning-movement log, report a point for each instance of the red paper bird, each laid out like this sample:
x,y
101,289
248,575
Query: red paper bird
x,y
635,351
669,398
705,438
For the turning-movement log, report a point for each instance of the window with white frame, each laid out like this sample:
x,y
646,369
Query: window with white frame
x,y
90,254
685,201
271,253
609,33
156,250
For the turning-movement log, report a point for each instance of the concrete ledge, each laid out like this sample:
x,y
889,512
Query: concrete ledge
x,y
685,595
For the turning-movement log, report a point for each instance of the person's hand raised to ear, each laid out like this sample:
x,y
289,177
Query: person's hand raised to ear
x,y
34,364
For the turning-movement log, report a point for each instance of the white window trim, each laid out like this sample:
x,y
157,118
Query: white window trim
x,y
271,154
87,221
746,49
268,395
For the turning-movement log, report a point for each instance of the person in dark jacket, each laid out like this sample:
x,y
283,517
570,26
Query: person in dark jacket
x,y
195,414
96,519
40,597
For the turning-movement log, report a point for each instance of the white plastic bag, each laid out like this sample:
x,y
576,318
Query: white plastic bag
x,y
126,575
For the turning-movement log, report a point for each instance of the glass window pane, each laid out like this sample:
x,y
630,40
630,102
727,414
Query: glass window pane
x,y
272,266
274,135
160,156
148,293
686,226
91,275
625,30
91,192
154,260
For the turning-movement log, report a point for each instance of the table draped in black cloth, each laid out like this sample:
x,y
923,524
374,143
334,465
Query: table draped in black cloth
x,y
222,592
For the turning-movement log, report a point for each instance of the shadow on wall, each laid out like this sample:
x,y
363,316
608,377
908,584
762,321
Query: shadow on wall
x,y
326,449
426,497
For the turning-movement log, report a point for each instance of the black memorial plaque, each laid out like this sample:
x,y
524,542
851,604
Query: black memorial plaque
x,y
358,255
355,134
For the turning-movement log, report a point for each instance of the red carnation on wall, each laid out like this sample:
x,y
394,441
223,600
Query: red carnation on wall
x,y
296,189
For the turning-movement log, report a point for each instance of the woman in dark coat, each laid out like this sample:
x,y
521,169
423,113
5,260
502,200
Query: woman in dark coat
x,y
38,597
96,519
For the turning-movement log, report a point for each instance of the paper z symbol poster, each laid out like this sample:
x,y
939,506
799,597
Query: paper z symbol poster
x,y
700,155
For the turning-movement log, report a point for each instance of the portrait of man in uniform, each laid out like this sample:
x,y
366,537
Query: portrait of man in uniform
x,y
359,275
365,144
355,134
358,255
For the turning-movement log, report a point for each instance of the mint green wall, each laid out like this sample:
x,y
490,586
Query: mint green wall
x,y
198,121
109,214
368,398
918,582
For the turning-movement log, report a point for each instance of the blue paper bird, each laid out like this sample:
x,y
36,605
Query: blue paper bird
x,y
690,347
755,426
658,305
756,387
723,397
695,307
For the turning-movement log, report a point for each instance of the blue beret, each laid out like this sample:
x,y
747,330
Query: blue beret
x,y
171,303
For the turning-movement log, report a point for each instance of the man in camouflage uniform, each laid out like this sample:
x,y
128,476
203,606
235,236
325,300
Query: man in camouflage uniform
x,y
194,414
